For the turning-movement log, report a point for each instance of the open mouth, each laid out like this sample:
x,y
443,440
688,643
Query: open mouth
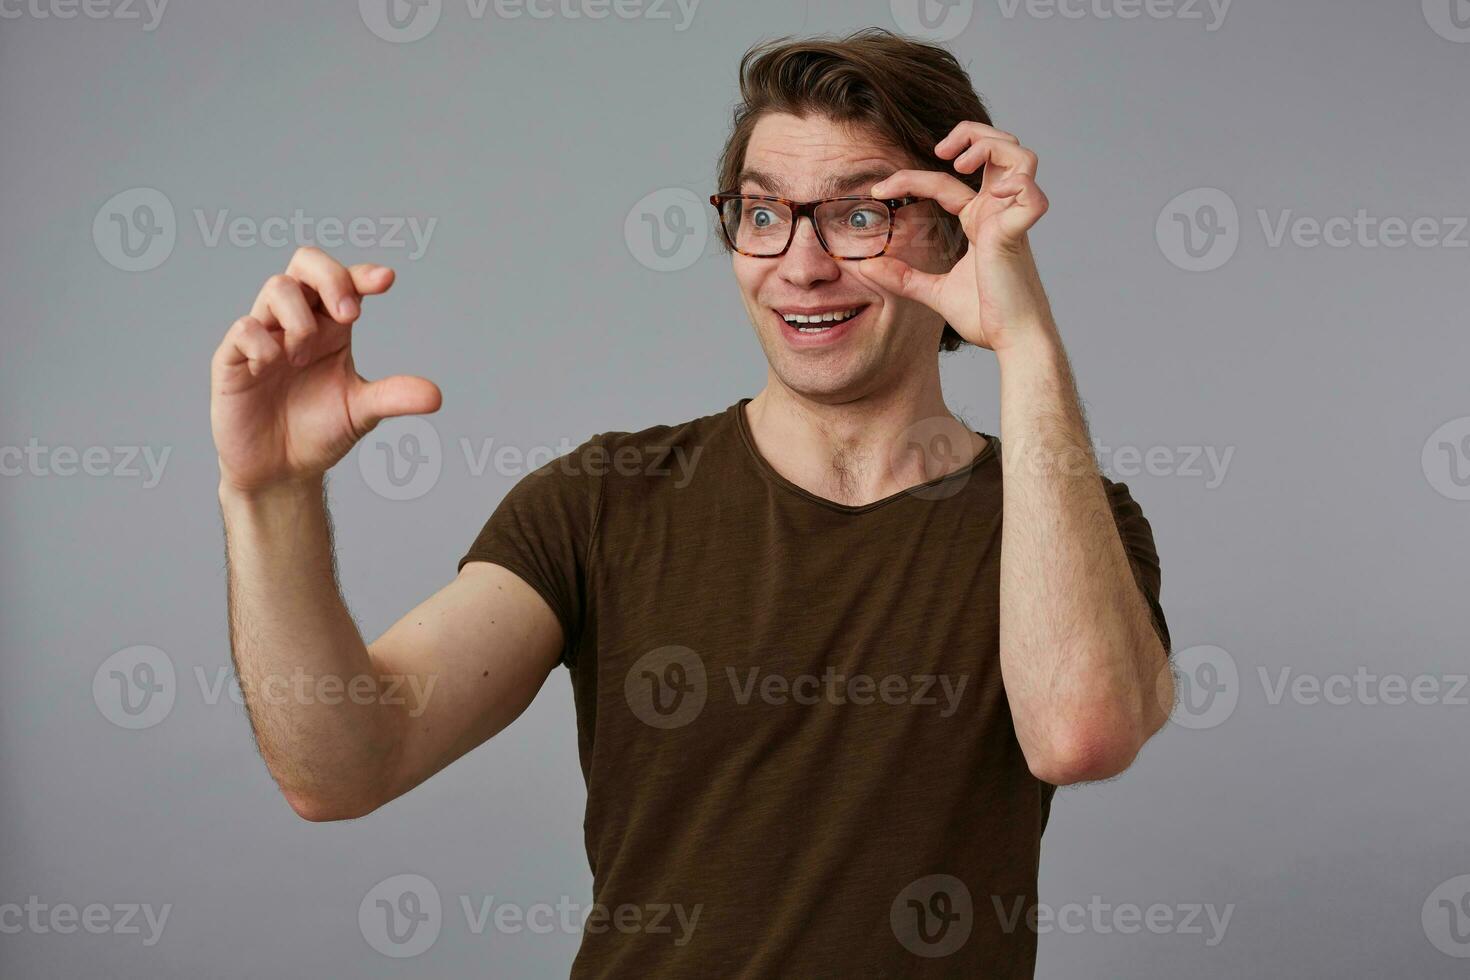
x,y
821,321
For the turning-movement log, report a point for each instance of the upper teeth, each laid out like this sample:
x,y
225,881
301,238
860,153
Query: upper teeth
x,y
835,315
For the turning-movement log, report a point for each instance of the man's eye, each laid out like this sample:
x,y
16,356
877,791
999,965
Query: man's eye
x,y
762,217
864,218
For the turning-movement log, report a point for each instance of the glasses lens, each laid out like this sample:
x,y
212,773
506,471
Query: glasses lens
x,y
756,227
855,229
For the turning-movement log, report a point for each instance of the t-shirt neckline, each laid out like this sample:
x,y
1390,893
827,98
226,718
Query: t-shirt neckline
x,y
769,472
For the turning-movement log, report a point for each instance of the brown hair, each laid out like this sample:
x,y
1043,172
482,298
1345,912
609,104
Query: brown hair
x,y
908,92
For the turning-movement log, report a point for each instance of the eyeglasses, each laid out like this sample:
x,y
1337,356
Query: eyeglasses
x,y
847,227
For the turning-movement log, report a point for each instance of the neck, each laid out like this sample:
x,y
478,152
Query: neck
x,y
866,449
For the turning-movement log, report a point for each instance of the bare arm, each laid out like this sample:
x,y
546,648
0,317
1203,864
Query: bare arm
x,y
345,726
1085,672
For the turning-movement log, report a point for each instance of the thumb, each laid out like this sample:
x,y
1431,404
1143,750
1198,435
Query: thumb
x,y
897,276
370,402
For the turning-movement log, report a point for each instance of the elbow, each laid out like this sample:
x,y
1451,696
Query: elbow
x,y
1086,754
314,808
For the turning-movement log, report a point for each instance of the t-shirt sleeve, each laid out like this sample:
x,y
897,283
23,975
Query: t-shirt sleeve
x,y
1143,558
543,532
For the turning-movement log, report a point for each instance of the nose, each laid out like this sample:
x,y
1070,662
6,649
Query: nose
x,y
806,262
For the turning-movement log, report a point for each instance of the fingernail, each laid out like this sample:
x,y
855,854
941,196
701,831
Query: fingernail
x,y
347,308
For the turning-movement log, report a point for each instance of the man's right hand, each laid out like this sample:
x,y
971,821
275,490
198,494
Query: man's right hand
x,y
286,401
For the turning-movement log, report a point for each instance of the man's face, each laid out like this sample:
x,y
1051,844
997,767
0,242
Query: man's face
x,y
804,159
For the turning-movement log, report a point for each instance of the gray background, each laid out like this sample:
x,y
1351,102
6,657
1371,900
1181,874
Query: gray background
x,y
1334,543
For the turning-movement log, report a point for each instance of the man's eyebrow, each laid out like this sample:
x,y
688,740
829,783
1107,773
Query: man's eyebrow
x,y
862,180
767,182
834,186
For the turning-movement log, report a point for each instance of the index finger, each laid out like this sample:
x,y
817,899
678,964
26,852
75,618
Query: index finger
x,y
968,132
947,189
327,283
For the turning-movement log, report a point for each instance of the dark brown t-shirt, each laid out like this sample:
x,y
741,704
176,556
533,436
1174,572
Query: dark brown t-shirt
x,y
799,756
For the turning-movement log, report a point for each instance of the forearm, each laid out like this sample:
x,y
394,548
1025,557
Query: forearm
x,y
1079,655
310,685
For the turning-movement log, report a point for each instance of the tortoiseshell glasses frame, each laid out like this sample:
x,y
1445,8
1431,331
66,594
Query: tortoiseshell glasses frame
x,y
808,210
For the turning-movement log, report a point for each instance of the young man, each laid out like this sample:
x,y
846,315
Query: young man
x,y
824,692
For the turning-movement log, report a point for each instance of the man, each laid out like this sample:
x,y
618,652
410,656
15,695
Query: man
x,y
824,693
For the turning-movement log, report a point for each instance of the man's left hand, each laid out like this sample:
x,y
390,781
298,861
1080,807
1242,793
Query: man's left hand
x,y
993,295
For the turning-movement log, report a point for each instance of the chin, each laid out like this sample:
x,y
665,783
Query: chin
x,y
830,384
